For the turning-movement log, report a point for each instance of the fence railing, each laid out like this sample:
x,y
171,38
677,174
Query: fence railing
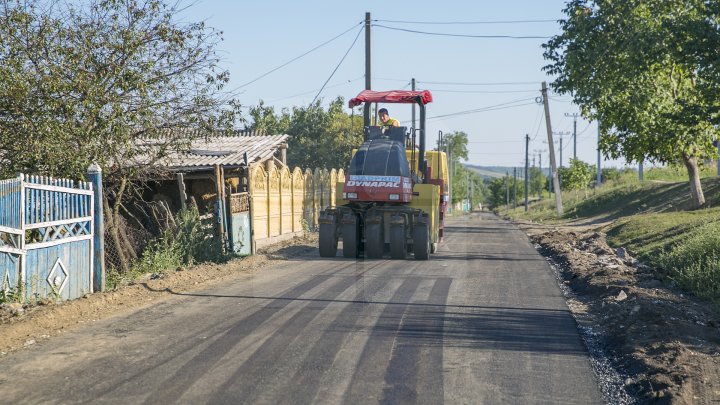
x,y
47,227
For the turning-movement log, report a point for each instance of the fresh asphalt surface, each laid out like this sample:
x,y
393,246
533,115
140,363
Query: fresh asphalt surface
x,y
482,322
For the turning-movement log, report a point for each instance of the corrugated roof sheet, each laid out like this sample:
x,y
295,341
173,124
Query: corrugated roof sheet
x,y
226,151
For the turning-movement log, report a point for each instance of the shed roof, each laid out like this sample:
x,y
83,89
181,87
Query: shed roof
x,y
226,150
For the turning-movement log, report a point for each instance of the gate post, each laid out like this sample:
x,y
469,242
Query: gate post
x,y
98,265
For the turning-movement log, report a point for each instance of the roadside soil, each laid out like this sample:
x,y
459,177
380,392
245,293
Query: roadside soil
x,y
664,344
24,325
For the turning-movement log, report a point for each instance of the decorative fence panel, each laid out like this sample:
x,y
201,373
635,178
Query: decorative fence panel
x,y
308,205
46,237
317,195
286,207
260,203
275,209
281,200
298,197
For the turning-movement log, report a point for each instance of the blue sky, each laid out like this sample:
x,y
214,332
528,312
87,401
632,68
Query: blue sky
x,y
463,73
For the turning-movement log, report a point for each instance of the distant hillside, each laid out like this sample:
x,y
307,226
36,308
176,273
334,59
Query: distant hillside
x,y
491,172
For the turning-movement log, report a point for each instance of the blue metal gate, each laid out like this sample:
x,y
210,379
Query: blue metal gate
x,y
239,223
46,237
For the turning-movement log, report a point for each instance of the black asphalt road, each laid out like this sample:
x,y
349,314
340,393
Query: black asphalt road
x,y
482,322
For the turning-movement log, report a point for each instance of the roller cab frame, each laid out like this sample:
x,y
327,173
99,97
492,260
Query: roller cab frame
x,y
394,199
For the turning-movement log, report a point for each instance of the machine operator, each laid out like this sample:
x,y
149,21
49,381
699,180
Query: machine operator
x,y
386,120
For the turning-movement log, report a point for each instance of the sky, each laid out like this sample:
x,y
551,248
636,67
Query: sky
x,y
488,88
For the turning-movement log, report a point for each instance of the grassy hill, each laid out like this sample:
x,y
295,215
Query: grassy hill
x,y
491,172
655,221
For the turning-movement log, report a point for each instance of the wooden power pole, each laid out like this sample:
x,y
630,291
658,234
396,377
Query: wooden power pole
x,y
368,82
555,180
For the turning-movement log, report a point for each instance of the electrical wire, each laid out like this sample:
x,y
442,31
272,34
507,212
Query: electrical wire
x,y
444,34
583,131
481,91
539,119
296,58
494,141
482,109
466,22
390,80
479,83
338,65
493,153
315,90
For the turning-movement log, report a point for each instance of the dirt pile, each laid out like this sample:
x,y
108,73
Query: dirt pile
x,y
664,344
24,325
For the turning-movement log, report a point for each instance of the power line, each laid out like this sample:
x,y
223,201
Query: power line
x,y
494,141
442,117
457,83
338,65
479,83
315,90
481,91
483,108
493,153
443,34
539,119
296,58
391,80
466,22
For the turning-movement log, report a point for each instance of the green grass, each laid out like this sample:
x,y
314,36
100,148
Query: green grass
x,y
654,220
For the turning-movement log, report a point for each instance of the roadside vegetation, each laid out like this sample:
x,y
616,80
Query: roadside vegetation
x,y
185,241
653,219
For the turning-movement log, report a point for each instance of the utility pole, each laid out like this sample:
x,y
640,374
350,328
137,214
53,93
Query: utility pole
x,y
514,188
574,115
507,191
533,166
368,82
550,190
641,175
527,144
556,183
598,181
450,166
561,144
413,107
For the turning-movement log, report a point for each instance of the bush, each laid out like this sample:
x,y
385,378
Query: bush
x,y
185,242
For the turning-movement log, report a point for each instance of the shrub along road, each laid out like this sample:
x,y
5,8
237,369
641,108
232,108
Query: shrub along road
x,y
482,322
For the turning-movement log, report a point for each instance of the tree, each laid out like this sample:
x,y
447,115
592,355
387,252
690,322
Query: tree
x,y
456,144
500,188
100,81
265,120
577,176
626,64
323,138
114,82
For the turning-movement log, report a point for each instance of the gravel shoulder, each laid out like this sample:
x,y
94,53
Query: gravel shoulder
x,y
663,344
